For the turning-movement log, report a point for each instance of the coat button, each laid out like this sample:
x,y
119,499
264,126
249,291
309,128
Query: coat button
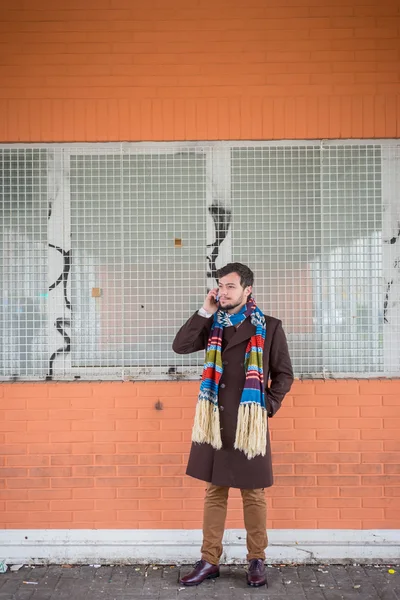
x,y
222,385
221,408
224,362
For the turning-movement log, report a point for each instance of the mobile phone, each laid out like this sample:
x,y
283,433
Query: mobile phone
x,y
217,298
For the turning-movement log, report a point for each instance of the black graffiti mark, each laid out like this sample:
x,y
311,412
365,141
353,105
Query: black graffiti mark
x,y
222,220
64,275
394,239
50,210
59,325
386,302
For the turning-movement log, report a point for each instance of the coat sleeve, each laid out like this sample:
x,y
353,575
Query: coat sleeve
x,y
280,370
193,335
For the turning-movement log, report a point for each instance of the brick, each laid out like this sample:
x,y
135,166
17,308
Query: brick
x,y
360,423
365,469
325,446
116,482
13,472
381,387
317,513
382,524
360,446
314,469
160,436
338,480
296,412
369,491
115,414
381,411
60,459
23,390
135,471
282,469
339,502
391,469
293,434
337,411
336,387
26,461
48,426
72,505
50,471
25,482
13,494
140,493
190,493
94,493
92,448
70,390
341,524
71,436
295,480
309,400
338,457
31,437
391,400
8,426
391,423
49,494
154,389
391,502
115,436
56,448
27,506
165,413
338,434
93,471
163,482
294,502
140,425
161,459
71,482
70,414
379,434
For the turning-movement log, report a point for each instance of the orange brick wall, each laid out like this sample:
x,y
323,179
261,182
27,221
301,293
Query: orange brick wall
x,y
77,70
100,455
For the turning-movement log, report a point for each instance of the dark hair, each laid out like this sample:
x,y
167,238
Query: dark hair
x,y
245,273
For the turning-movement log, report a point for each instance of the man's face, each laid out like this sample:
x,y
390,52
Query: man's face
x,y
232,297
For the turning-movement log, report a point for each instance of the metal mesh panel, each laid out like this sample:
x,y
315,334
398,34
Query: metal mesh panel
x,y
108,248
138,241
23,263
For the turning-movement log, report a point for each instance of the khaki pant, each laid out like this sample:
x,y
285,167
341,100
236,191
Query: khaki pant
x,y
255,516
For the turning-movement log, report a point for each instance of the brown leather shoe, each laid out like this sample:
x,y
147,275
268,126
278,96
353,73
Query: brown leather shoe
x,y
256,575
202,570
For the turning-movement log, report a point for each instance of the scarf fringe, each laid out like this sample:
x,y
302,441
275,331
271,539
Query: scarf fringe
x,y
206,428
251,430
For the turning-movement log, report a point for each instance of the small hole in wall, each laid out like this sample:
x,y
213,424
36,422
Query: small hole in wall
x,y
159,405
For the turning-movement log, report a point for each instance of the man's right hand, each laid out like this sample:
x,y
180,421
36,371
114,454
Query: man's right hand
x,y
210,303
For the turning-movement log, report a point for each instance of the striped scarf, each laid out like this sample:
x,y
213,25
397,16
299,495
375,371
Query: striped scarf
x,y
251,430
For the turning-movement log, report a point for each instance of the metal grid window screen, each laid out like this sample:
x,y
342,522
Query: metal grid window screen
x,y
108,248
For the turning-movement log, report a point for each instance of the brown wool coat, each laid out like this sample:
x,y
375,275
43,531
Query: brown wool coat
x,y
229,467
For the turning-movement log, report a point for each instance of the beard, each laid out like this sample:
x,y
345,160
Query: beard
x,y
233,305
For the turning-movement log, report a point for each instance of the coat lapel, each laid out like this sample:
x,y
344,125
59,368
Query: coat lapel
x,y
245,331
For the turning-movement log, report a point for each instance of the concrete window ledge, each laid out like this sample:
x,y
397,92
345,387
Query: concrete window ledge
x,y
170,546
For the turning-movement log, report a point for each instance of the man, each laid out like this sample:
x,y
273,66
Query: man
x,y
230,440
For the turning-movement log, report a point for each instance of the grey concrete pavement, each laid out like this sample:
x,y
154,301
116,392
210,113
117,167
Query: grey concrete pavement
x,y
156,582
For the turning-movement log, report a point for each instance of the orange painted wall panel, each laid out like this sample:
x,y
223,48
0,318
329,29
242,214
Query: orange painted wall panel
x,y
120,70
